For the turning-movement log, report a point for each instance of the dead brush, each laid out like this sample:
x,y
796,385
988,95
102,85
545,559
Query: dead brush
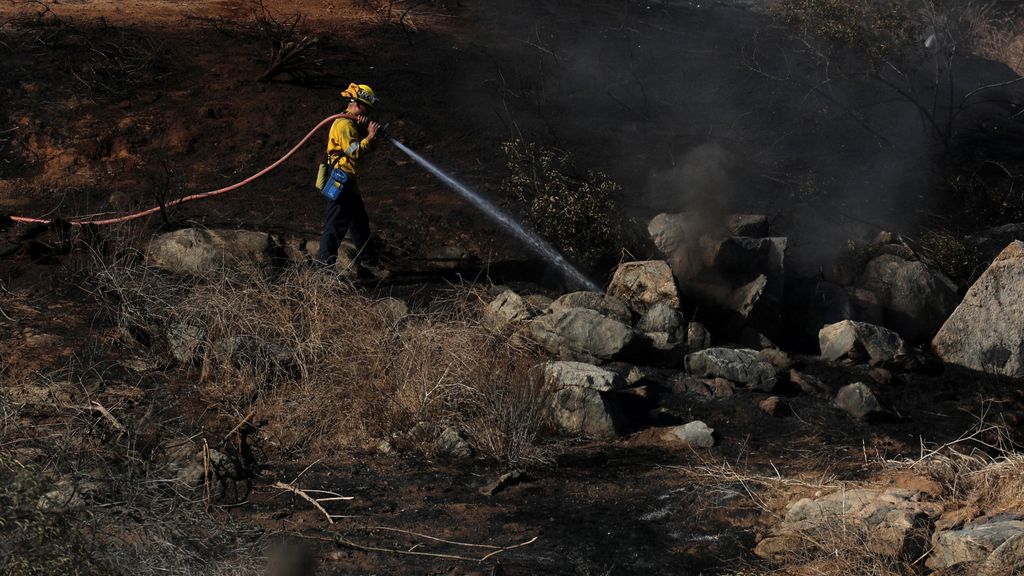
x,y
327,366
982,27
291,52
834,545
981,472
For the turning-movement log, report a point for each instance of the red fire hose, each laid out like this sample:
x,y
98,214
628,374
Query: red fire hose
x,y
200,196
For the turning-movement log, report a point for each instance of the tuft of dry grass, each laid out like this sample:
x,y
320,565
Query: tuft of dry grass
x,y
979,473
327,366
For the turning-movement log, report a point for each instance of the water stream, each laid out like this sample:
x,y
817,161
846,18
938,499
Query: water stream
x,y
536,243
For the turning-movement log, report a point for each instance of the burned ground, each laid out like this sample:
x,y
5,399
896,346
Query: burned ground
x,y
109,107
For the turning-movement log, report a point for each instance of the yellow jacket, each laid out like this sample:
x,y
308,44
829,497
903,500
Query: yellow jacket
x,y
344,140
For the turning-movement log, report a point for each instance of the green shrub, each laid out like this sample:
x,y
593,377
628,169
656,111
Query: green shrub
x,y
576,212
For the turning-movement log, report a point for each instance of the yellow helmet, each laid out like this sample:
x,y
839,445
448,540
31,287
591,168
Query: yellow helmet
x,y
360,92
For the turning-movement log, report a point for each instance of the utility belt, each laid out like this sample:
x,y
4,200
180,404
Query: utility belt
x,y
330,179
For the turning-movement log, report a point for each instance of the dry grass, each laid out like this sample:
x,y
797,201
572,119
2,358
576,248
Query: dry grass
x,y
327,366
982,28
979,473
80,496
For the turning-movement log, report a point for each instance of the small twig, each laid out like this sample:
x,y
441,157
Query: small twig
x,y
411,533
238,427
351,544
305,496
110,417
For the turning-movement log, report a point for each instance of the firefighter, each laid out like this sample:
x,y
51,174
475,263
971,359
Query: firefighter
x,y
346,148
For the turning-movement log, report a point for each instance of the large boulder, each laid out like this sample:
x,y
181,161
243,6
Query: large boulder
x,y
197,251
915,299
670,232
583,334
986,332
860,341
644,284
583,398
737,365
663,318
604,304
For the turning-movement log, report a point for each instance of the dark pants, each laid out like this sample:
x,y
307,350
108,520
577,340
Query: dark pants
x,y
345,213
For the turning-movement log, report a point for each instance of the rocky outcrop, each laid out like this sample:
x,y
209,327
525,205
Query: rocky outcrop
x,y
507,308
915,299
198,251
996,546
604,304
582,334
583,398
859,341
644,284
986,332
737,365
662,318
897,519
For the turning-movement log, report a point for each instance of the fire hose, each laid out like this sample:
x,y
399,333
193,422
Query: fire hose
x,y
190,198
505,220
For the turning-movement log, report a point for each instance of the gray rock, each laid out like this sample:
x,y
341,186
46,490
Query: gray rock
x,y
583,399
750,225
743,299
857,400
697,337
197,251
974,543
986,332
737,365
582,334
451,444
565,374
644,284
507,308
860,341
897,519
1008,558
665,319
601,303
670,232
694,433
915,299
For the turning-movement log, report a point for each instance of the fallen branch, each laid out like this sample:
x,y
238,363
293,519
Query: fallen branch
x,y
110,417
343,542
304,494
